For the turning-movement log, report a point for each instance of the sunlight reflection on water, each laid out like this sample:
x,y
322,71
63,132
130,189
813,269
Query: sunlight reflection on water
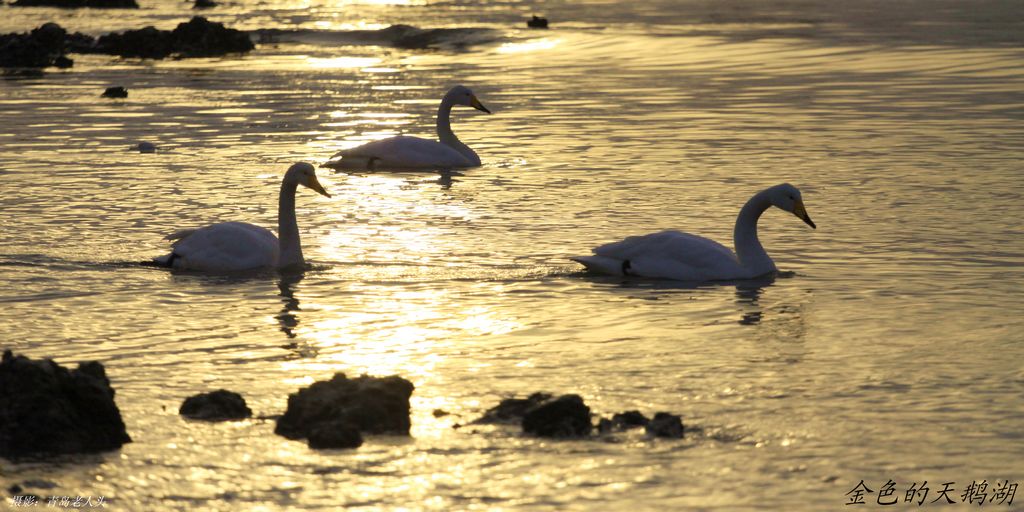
x,y
893,335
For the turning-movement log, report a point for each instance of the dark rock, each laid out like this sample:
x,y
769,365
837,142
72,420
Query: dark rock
x,y
202,38
47,409
368,404
63,62
196,38
115,92
666,425
15,489
146,147
146,42
565,416
512,410
99,4
37,49
537,22
218,405
204,4
438,413
335,434
630,419
605,426
79,43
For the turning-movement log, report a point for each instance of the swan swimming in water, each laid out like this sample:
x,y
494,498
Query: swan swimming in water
x,y
405,152
237,246
675,255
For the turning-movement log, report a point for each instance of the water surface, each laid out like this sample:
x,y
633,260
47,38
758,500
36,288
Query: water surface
x,y
891,348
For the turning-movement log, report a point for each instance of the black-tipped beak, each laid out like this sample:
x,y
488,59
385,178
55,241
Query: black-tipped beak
x,y
317,187
475,103
801,212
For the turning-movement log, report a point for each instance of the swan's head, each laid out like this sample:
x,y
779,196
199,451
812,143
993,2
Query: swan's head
x,y
787,197
304,174
461,95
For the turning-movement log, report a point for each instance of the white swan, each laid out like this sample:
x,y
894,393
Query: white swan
x,y
675,255
236,246
404,152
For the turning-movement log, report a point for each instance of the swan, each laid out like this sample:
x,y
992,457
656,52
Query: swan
x,y
236,246
405,152
672,254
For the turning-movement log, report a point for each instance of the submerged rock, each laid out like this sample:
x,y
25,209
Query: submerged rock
x,y
47,409
565,416
541,415
512,410
622,421
217,405
537,22
666,425
630,419
100,4
204,4
115,92
146,147
377,405
198,37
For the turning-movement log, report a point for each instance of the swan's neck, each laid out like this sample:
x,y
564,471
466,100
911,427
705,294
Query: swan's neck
x,y
751,254
447,136
288,228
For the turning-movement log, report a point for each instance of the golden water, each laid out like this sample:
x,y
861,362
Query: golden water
x,y
890,349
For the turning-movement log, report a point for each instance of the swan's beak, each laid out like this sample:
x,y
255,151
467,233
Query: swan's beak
x,y
316,186
475,103
800,211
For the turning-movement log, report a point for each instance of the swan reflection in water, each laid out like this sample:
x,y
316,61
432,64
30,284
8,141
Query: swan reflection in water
x,y
288,318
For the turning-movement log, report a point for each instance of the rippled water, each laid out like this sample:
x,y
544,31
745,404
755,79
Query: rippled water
x,y
890,348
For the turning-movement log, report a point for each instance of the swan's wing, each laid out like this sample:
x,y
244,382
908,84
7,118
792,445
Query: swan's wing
x,y
226,246
668,254
401,152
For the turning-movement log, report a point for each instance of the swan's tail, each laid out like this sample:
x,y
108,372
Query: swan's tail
x,y
165,261
603,264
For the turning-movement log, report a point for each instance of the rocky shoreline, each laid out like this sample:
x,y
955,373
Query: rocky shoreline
x,y
46,409
50,44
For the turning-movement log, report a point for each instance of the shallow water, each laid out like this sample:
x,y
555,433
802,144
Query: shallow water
x,y
890,348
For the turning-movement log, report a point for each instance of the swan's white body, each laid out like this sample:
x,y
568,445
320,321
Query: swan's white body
x,y
239,246
685,257
405,152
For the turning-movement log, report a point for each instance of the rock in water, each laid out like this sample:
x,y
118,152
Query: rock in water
x,y
115,92
666,425
218,405
37,49
621,421
204,4
377,405
537,22
198,37
630,419
47,409
202,38
512,410
565,416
